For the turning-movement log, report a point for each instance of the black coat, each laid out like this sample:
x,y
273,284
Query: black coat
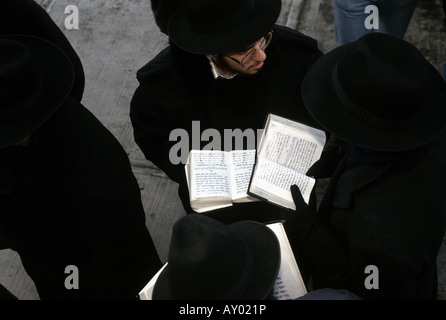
x,y
177,88
71,199
28,17
391,215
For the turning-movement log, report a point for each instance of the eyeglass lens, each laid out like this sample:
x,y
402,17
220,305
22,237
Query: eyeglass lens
x,y
262,46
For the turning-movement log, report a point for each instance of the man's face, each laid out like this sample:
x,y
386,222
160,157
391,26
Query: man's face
x,y
248,61
253,67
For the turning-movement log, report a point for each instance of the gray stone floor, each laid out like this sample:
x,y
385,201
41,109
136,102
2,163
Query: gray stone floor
x,y
116,37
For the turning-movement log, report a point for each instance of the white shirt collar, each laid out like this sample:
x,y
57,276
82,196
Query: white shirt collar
x,y
217,74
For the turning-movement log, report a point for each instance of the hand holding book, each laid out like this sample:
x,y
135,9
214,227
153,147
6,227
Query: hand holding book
x,y
303,223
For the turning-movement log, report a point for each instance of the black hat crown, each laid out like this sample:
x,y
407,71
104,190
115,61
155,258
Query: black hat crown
x,y
36,77
382,84
20,80
209,260
217,16
221,26
378,92
212,260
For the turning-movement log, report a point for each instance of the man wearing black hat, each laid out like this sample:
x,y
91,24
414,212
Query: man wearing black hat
x,y
67,193
381,223
209,260
227,67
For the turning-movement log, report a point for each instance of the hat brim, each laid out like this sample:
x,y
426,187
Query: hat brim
x,y
324,105
262,19
57,76
265,249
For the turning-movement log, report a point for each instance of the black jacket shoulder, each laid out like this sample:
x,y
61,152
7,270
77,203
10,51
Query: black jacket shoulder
x,y
285,36
160,63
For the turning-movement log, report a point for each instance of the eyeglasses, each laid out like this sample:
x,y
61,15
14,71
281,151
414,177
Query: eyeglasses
x,y
264,42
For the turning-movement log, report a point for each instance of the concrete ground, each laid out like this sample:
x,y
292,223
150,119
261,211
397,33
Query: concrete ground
x,y
116,37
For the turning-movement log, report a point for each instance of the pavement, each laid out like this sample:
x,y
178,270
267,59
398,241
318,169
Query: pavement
x,y
116,37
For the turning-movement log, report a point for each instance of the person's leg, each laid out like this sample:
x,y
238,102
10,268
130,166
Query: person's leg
x,y
349,19
395,16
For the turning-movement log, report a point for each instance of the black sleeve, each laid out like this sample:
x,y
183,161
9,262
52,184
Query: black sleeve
x,y
6,295
152,128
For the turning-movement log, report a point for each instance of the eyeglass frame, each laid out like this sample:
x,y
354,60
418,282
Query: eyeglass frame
x,y
266,40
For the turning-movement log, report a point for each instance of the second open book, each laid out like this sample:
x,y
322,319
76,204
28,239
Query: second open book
x,y
289,283
285,152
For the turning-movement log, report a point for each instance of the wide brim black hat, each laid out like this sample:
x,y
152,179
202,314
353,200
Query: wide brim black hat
x,y
339,114
206,27
57,77
264,247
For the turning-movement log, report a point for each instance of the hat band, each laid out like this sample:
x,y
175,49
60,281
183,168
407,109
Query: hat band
x,y
235,19
363,115
18,110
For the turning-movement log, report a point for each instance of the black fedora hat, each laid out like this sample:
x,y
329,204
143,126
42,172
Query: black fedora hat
x,y
209,260
221,26
35,78
378,92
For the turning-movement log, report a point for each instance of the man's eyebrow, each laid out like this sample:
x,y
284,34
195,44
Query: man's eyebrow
x,y
246,48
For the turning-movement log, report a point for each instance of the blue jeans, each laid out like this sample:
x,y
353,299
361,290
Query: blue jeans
x,y
394,18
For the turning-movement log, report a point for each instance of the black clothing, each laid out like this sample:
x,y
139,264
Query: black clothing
x,y
70,198
382,210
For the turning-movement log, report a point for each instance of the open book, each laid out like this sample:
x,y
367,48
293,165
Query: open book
x,y
286,151
216,179
289,283
147,291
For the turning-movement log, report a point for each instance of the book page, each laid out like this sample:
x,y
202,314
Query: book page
x,y
209,174
286,151
285,147
242,163
289,283
147,291
278,179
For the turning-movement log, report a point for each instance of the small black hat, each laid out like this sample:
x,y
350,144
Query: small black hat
x,y
221,26
378,92
35,79
213,261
